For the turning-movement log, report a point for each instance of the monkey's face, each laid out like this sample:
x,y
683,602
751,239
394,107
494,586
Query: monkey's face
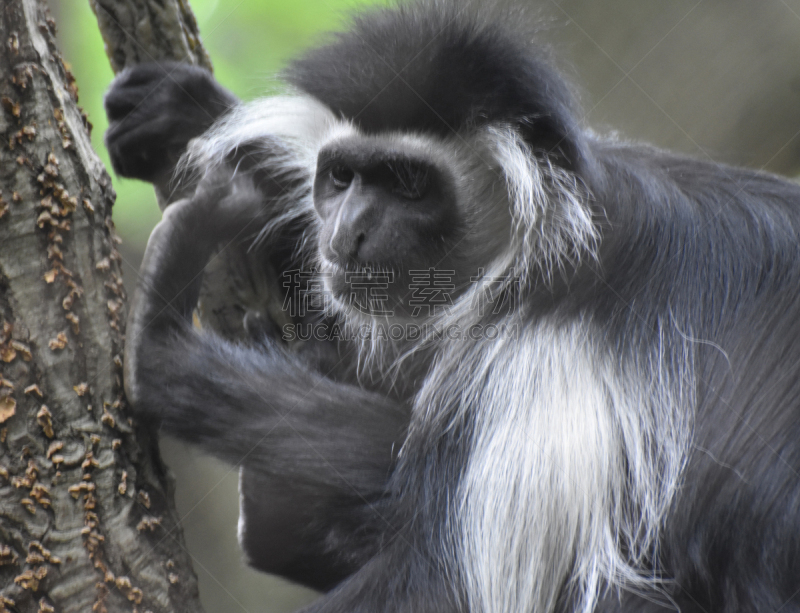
x,y
392,232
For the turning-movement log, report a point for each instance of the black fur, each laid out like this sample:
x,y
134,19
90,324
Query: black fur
x,y
692,255
439,72
717,250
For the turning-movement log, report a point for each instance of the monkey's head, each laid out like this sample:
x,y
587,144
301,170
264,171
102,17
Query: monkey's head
x,y
446,161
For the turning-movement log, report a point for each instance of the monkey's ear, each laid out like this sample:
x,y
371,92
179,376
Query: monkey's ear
x,y
547,114
562,144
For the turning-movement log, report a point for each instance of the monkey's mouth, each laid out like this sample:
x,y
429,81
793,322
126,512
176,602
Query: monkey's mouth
x,y
369,289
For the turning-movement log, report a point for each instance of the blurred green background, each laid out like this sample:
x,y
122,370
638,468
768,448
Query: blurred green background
x,y
713,78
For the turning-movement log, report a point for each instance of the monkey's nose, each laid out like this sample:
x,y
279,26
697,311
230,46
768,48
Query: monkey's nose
x,y
346,243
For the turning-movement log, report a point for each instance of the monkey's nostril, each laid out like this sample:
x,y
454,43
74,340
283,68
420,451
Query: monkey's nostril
x,y
356,246
346,246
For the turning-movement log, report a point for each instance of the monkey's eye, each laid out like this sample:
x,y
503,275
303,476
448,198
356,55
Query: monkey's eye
x,y
342,176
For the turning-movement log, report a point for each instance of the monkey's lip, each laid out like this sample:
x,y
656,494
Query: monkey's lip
x,y
331,267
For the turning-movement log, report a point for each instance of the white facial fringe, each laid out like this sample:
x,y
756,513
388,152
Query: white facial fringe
x,y
554,229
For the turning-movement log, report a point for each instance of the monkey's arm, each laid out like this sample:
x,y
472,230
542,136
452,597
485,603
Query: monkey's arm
x,y
154,110
318,452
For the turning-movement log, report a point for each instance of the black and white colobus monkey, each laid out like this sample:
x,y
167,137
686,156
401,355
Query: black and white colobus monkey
x,y
628,441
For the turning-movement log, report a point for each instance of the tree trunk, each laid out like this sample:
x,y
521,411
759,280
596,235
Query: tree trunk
x,y
86,512
137,31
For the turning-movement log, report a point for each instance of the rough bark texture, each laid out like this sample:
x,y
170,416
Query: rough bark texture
x,y
86,520
138,31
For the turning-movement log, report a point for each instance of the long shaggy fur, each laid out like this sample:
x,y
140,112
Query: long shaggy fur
x,y
567,443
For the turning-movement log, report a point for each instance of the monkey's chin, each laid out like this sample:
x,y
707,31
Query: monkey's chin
x,y
338,288
353,304
360,293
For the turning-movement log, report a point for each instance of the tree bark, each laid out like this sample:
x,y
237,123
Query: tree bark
x,y
86,512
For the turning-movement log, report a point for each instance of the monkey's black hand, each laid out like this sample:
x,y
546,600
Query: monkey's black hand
x,y
154,110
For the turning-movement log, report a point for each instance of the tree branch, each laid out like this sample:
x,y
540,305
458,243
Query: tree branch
x,y
137,31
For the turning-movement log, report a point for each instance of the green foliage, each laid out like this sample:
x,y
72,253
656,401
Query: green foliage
x,y
248,41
